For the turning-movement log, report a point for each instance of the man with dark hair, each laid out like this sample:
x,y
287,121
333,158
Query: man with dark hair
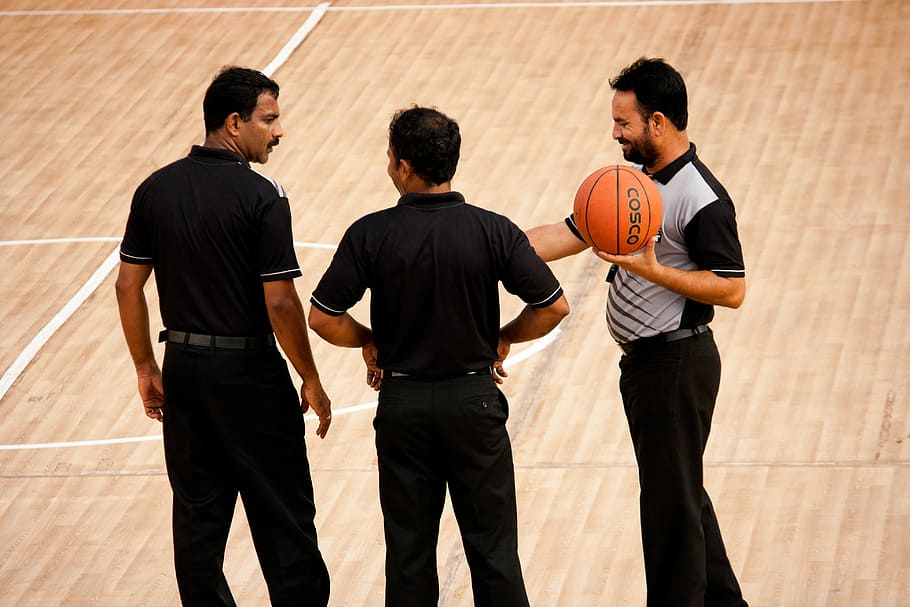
x,y
658,309
218,237
433,264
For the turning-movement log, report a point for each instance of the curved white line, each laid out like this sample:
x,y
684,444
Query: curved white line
x,y
535,347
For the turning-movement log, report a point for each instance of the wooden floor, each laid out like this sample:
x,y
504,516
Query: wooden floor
x,y
799,107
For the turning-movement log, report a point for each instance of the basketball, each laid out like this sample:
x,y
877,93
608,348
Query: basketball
x,y
618,209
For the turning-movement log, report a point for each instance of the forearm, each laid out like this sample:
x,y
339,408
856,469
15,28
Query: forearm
x,y
342,330
288,322
554,241
703,286
134,317
532,323
134,320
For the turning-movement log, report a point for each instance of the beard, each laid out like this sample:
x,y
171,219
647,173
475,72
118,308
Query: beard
x,y
643,151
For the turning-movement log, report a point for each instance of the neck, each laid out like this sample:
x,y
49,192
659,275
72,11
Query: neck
x,y
219,140
426,188
673,149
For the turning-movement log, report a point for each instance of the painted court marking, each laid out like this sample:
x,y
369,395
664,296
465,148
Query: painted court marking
x,y
316,13
401,7
526,353
31,350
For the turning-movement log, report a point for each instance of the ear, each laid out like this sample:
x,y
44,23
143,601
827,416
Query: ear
x,y
232,124
405,168
658,123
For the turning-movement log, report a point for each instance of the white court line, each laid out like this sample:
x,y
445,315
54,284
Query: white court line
x,y
402,7
31,350
296,40
536,347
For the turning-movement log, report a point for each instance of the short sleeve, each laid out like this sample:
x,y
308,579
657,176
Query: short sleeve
x,y
713,240
136,246
277,258
526,275
345,281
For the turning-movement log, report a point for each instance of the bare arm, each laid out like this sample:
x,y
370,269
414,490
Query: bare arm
x,y
703,286
134,320
342,330
345,331
555,241
530,323
289,324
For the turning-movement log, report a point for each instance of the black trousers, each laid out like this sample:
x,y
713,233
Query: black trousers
x,y
669,391
233,425
434,434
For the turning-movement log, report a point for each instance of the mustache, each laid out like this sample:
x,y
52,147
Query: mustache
x,y
273,142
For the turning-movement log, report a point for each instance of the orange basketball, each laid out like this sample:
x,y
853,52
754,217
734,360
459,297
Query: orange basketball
x,y
618,209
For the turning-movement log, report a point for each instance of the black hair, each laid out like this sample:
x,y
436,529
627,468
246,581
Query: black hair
x,y
234,89
429,140
658,88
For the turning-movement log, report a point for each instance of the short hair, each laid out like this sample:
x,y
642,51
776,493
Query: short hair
x,y
429,140
658,88
234,89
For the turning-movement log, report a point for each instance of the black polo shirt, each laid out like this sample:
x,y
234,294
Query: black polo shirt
x,y
215,230
433,265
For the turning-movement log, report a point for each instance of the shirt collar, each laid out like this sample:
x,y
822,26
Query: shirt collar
x,y
667,173
213,155
447,199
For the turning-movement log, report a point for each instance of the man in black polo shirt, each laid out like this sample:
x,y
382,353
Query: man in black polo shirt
x,y
658,309
218,236
433,264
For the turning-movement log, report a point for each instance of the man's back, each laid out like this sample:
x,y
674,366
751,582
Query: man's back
x,y
433,264
209,224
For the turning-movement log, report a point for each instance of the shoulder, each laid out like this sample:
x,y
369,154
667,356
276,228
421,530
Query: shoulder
x,y
268,184
693,188
491,218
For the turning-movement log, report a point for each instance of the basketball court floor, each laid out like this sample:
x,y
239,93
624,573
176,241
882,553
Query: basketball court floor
x,y
800,108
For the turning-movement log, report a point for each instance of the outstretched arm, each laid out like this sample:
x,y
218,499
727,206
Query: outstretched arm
x,y
555,241
134,320
289,324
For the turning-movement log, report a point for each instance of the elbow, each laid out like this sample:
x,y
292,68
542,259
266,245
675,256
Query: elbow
x,y
736,297
318,322
124,289
558,311
736,302
562,307
313,321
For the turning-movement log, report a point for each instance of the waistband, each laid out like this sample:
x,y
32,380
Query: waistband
x,y
638,345
424,377
217,342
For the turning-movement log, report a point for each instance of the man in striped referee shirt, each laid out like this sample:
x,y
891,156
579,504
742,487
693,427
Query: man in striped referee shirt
x,y
658,309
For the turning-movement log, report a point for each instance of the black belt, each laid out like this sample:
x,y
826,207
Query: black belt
x,y
639,344
436,377
217,342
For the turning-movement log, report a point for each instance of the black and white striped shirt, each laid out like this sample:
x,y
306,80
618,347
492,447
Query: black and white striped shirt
x,y
698,232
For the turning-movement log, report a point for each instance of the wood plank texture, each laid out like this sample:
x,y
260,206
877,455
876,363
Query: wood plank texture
x,y
799,108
